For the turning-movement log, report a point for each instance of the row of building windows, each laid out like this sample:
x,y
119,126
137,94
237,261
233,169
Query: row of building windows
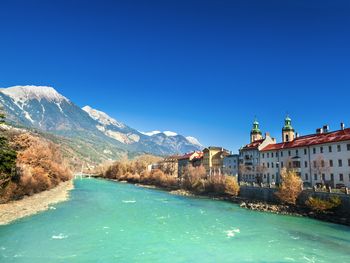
x,y
314,151
316,177
316,164
326,178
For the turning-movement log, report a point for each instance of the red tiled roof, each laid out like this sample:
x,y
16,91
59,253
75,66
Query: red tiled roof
x,y
313,139
253,145
188,155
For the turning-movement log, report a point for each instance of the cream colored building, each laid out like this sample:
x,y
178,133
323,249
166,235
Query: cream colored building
x,y
213,159
249,155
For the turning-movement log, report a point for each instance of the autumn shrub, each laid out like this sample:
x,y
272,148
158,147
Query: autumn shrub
x,y
39,166
193,179
323,205
231,185
290,188
215,183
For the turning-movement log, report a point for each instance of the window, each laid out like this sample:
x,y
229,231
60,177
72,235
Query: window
x,y
315,177
276,154
323,177
331,163
296,152
314,150
340,162
305,151
330,148
314,164
348,162
306,177
281,154
332,177
321,149
322,163
263,155
268,165
272,165
341,178
264,176
277,165
305,164
268,155
281,164
273,176
338,148
289,153
348,146
290,164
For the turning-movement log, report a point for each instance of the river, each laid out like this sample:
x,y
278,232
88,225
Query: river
x,y
106,221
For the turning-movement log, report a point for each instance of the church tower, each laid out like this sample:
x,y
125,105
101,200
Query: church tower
x,y
288,133
255,133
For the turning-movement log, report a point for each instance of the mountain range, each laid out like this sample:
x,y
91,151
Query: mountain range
x,y
93,134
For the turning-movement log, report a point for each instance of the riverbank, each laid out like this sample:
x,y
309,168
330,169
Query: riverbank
x,y
36,203
256,205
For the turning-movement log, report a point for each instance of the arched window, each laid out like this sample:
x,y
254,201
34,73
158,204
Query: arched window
x,y
287,138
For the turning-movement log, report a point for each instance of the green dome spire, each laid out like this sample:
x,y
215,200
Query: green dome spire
x,y
287,124
255,129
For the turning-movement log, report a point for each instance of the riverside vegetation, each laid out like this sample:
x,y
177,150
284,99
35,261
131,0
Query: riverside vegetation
x,y
28,164
194,180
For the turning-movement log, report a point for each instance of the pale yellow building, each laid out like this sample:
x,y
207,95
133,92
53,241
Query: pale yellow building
x,y
213,159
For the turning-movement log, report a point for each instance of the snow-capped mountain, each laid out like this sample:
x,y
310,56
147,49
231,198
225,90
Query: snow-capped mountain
x,y
194,141
167,133
43,108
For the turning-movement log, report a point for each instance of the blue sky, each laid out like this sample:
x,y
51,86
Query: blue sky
x,y
201,68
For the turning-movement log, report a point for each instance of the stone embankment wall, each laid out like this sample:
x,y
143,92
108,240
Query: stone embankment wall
x,y
268,195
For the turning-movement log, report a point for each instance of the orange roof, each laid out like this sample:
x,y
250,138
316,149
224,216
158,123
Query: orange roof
x,y
313,139
253,145
188,155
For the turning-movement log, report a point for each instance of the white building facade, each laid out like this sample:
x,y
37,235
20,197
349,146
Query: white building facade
x,y
231,164
322,158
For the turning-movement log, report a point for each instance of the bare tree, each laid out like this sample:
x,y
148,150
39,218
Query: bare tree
x,y
320,167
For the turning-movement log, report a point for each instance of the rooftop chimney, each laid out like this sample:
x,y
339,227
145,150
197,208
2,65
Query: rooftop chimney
x,y
342,126
326,128
296,135
319,130
267,134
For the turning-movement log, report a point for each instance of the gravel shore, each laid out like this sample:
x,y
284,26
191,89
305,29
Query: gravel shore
x,y
31,205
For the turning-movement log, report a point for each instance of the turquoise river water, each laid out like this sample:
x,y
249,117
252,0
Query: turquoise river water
x,y
112,222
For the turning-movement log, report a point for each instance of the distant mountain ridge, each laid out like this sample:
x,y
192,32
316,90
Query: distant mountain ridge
x,y
43,108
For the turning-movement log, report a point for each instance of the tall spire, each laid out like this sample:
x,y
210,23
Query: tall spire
x,y
288,134
255,133
287,124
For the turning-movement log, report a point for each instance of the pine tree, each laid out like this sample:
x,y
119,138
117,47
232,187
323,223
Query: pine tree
x,y
7,157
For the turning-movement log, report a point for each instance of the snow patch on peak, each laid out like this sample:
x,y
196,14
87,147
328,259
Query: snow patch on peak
x,y
151,133
166,133
170,133
194,141
29,92
102,117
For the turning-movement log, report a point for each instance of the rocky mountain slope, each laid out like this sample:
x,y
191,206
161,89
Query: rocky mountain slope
x,y
90,132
